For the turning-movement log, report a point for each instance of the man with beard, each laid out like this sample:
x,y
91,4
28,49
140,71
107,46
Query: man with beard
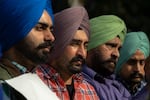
x,y
130,66
107,35
144,94
25,41
62,73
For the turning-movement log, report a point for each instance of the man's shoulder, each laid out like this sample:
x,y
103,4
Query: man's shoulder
x,y
85,88
9,93
83,83
4,74
88,73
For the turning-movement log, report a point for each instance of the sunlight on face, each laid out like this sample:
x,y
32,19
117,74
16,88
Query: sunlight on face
x,y
74,55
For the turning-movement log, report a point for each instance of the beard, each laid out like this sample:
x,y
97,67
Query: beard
x,y
37,54
76,64
103,67
135,78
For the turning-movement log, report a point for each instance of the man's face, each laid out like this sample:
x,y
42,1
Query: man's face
x,y
133,70
38,43
104,57
74,55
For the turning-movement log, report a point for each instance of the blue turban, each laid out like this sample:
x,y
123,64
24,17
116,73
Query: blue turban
x,y
17,18
133,41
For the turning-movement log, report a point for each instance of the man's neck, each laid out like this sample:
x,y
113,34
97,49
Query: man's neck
x,y
66,75
68,81
13,55
131,87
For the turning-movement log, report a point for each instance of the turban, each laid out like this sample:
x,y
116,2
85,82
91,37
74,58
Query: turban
x,y
17,18
133,41
66,24
104,28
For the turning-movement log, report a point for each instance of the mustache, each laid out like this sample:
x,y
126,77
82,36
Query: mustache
x,y
136,74
78,58
46,44
112,60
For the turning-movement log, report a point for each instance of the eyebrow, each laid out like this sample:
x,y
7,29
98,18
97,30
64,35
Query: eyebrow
x,y
43,24
78,40
134,59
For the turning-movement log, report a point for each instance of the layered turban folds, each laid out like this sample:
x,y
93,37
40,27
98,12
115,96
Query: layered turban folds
x,y
66,24
17,18
133,41
105,28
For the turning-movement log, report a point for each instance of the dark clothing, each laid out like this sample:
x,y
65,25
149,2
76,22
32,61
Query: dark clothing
x,y
144,94
133,91
9,93
8,70
106,88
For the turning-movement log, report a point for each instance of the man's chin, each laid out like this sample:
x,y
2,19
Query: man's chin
x,y
136,80
110,70
110,67
76,69
41,59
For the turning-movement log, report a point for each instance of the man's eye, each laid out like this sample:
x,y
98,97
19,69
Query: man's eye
x,y
39,28
131,62
52,30
109,46
86,46
74,43
142,62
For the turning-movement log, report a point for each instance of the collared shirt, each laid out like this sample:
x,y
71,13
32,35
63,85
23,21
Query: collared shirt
x,y
137,88
83,90
107,88
10,69
144,94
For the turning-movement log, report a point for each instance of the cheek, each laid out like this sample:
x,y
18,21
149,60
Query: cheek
x,y
143,71
29,42
126,70
32,43
71,51
63,60
68,54
35,39
104,54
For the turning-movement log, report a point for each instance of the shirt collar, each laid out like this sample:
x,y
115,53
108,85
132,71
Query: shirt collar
x,y
50,72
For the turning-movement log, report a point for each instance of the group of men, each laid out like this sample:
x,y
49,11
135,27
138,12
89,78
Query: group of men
x,y
67,56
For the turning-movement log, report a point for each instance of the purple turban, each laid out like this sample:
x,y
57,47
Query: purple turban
x,y
17,18
66,23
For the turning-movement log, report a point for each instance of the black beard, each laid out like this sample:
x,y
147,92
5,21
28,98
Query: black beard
x,y
97,66
33,54
75,59
132,76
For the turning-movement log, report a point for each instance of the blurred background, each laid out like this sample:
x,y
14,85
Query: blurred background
x,y
135,13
